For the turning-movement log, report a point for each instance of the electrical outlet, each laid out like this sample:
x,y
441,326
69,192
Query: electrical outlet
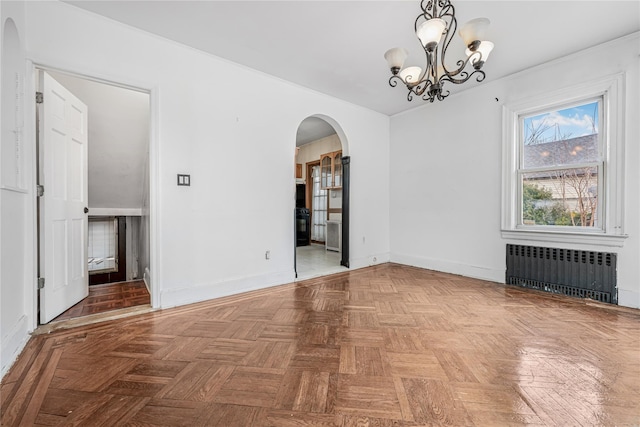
x,y
267,255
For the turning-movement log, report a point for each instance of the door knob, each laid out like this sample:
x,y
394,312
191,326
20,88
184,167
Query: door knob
x,y
86,210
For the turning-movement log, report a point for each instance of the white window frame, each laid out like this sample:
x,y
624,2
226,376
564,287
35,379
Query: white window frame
x,y
610,230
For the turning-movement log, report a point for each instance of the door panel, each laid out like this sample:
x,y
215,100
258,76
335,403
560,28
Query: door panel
x,y
63,238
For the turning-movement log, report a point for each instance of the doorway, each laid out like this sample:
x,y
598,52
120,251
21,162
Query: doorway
x,y
106,249
319,170
117,184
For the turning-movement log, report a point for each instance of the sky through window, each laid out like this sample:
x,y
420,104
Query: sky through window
x,y
562,124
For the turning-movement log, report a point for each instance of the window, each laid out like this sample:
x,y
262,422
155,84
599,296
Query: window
x,y
562,177
318,208
560,164
102,245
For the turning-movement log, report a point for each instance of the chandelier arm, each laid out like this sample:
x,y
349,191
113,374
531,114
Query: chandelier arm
x,y
393,80
428,8
448,14
433,95
416,90
462,64
442,95
428,97
465,77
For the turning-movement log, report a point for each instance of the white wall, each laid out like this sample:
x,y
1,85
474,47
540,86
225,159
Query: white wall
x,y
17,278
211,114
446,170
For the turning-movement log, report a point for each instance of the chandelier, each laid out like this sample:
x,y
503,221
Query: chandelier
x,y
435,28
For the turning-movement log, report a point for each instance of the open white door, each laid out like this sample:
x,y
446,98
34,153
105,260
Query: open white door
x,y
63,171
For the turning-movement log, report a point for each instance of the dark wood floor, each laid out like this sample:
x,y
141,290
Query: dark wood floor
x,y
109,297
382,346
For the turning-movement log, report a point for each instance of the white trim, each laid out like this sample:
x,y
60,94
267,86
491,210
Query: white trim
x,y
372,259
13,343
461,269
115,212
155,231
207,291
597,239
612,232
146,277
30,153
628,298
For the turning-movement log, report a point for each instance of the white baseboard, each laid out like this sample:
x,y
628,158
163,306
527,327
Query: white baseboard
x,y
355,263
13,343
476,272
147,279
628,298
188,295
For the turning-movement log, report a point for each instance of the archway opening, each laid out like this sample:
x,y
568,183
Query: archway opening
x,y
320,216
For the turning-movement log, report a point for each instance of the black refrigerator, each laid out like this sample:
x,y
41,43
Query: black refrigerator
x,y
303,217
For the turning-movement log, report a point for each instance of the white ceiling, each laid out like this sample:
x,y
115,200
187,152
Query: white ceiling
x,y
337,47
311,129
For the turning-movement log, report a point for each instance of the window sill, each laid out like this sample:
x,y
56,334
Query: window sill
x,y
611,240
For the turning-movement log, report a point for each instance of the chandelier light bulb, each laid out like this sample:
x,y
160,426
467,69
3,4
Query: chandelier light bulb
x,y
430,32
474,31
411,75
484,48
395,58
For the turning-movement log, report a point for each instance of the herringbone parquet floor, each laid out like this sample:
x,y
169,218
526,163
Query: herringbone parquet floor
x,y
384,346
109,297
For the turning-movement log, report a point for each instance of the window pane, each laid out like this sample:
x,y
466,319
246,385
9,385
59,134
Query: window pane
x,y
102,244
566,197
561,137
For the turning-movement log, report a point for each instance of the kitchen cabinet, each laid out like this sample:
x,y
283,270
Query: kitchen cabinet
x,y
331,170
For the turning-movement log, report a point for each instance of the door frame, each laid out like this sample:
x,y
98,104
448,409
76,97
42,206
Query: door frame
x,y
151,277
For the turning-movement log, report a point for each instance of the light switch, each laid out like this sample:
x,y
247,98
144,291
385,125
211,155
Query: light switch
x,y
184,179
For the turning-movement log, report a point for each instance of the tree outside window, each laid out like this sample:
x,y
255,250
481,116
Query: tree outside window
x,y
560,166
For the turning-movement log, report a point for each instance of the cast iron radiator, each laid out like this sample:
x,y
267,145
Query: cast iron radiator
x,y
582,274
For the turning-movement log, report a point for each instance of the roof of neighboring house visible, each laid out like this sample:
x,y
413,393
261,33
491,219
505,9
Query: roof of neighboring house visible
x,y
583,149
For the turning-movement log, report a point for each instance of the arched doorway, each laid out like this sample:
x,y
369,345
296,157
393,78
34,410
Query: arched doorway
x,y
322,198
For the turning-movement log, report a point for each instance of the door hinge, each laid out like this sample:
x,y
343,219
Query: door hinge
x,y
39,98
40,190
40,282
